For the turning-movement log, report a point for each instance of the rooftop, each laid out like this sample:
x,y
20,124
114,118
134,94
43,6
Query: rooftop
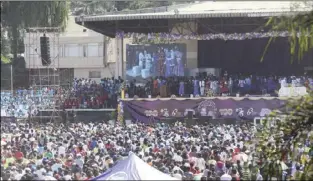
x,y
208,9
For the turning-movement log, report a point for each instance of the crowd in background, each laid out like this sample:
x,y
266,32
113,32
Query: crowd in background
x,y
25,102
87,94
81,151
210,85
84,94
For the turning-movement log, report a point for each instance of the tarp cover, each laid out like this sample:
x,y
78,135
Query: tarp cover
x,y
133,168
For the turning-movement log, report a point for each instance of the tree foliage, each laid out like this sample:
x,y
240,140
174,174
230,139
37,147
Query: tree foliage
x,y
301,29
279,141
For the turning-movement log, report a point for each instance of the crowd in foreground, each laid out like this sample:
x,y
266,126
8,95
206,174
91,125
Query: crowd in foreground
x,y
81,151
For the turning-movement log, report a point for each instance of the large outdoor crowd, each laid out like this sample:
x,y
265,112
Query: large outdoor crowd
x,y
81,151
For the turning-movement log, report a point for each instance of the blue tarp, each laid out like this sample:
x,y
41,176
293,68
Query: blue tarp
x,y
133,168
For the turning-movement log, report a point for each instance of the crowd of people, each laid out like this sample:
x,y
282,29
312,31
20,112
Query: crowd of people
x,y
84,94
210,85
87,94
25,102
81,151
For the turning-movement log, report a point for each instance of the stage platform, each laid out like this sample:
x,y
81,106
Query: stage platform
x,y
209,98
146,109
82,110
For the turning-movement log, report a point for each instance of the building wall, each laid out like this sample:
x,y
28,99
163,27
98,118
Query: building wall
x,y
93,73
76,47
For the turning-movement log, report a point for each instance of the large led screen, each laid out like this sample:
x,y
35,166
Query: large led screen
x,y
145,61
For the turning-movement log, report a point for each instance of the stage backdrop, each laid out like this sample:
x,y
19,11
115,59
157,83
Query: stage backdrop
x,y
144,61
217,108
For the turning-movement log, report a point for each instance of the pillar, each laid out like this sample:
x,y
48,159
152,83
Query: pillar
x,y
119,56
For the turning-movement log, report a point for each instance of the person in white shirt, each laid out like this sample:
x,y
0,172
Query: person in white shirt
x,y
293,82
283,82
177,157
200,163
141,59
61,150
226,177
202,86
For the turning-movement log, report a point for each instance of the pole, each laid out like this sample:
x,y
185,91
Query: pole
x,y
11,79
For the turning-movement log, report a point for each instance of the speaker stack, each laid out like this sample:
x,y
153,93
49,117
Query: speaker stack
x,y
190,121
45,50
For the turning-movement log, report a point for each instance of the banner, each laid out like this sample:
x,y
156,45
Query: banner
x,y
144,110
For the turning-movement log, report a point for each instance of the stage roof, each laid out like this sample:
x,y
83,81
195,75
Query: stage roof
x,y
208,9
162,19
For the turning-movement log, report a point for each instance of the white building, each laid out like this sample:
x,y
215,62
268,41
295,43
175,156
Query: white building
x,y
77,51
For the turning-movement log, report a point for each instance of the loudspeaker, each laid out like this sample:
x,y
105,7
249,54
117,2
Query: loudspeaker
x,y
45,50
190,115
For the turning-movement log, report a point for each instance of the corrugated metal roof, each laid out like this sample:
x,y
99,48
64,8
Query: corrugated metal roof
x,y
209,9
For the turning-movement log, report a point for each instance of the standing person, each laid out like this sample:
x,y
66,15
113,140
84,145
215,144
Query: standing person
x,y
195,87
181,91
161,60
163,88
155,87
241,85
180,63
230,85
167,63
141,59
202,86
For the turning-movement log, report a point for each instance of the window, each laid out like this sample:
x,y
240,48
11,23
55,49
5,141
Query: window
x,y
61,52
93,50
101,49
54,51
85,50
71,50
94,74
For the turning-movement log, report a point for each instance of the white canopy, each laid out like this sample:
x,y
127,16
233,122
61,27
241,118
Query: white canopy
x,y
133,168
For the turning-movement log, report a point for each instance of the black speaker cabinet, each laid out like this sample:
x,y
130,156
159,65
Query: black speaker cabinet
x,y
189,114
45,50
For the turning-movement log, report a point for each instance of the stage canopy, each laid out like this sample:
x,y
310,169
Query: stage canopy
x,y
248,14
133,168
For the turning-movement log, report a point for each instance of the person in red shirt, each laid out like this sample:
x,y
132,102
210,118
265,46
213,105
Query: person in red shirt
x,y
66,104
194,170
70,104
18,155
237,150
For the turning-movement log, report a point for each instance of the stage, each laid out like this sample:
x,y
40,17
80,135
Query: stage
x,y
157,109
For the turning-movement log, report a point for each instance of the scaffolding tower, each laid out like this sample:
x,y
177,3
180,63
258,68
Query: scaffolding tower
x,y
40,76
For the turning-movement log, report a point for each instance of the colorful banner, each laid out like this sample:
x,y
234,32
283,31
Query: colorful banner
x,y
144,110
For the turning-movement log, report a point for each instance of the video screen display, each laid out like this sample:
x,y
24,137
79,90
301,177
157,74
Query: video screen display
x,y
144,61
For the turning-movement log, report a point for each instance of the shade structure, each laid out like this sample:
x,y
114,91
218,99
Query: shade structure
x,y
133,168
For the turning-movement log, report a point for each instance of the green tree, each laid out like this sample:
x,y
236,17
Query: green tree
x,y
301,29
298,124
287,135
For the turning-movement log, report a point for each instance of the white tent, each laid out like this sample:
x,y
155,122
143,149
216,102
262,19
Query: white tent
x,y
133,168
